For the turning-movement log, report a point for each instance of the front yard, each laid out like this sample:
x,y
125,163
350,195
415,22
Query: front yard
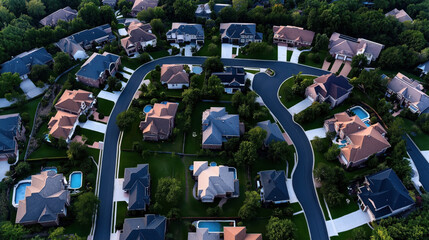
x,y
266,55
314,59
104,106
286,89
417,135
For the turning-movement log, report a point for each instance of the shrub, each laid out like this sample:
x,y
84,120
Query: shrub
x,y
301,58
11,160
100,116
82,118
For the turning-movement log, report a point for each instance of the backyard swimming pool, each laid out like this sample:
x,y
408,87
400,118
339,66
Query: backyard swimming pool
x,y
360,112
75,180
213,164
147,108
20,191
216,226
191,168
197,69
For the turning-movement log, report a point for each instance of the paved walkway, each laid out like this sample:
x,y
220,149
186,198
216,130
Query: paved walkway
x,y
119,195
292,196
5,103
30,89
108,96
128,70
94,126
336,66
349,221
300,106
319,132
295,55
4,167
281,53
126,75
346,69
226,50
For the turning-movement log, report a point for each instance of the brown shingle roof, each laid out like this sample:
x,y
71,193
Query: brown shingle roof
x,y
61,124
345,45
74,100
160,119
401,15
173,73
293,33
239,233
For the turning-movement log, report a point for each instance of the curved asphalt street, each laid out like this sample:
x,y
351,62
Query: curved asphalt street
x,y
267,88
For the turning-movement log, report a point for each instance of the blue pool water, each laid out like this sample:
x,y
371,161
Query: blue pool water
x,y
76,180
213,164
212,226
341,146
165,102
147,108
197,69
20,191
362,114
344,141
191,168
367,123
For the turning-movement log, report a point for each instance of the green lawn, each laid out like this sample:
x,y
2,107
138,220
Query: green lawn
x,y
193,141
63,78
288,83
322,204
266,55
104,106
295,207
310,62
132,63
301,227
392,73
120,25
253,71
419,137
318,123
121,212
92,136
159,54
350,234
289,55
29,107
95,153
47,151
204,51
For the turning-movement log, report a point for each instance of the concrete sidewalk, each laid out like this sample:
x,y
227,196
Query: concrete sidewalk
x,y
292,196
126,75
94,126
297,108
128,70
108,96
319,132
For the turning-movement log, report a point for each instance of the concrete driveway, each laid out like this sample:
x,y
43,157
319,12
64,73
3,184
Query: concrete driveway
x,y
348,222
346,69
319,132
281,53
94,126
336,66
226,50
297,108
295,55
108,96
4,167
30,89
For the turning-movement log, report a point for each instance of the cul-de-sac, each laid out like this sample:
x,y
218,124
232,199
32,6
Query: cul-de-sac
x,y
214,119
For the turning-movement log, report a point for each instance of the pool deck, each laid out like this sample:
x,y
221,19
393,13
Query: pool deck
x,y
14,191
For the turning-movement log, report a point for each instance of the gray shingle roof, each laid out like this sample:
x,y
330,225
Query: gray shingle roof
x,y
65,14
137,183
274,185
218,6
8,128
410,90
273,132
232,76
218,124
187,28
97,64
332,85
23,62
150,227
385,193
235,30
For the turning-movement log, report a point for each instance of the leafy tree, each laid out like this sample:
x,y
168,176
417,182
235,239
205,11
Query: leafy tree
x,y
246,154
12,231
167,193
257,136
144,58
332,153
77,152
15,6
321,144
214,88
90,14
107,15
9,83
5,16
240,5
370,82
157,26
321,42
213,49
311,113
57,234
414,39
278,151
62,62
22,169
151,13
398,57
125,119
228,14
191,96
333,183
250,205
40,73
280,229
184,10
85,206
36,9
212,64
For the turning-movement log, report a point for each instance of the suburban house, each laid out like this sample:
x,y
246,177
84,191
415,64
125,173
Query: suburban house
x,y
384,195
137,185
76,44
140,5
218,126
150,226
343,47
239,33
111,3
239,233
203,234
424,67
23,62
292,36
97,68
11,131
139,37
273,132
203,11
215,181
233,79
65,14
358,141
186,33
71,104
401,15
329,88
273,187
409,93
159,122
45,201
174,76
219,6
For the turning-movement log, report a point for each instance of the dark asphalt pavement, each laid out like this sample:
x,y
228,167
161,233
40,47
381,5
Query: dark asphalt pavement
x,y
267,88
420,161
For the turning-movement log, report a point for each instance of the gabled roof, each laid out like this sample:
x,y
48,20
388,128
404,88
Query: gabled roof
x,y
424,67
150,227
239,233
203,10
385,193
137,35
273,132
410,89
173,74
74,100
293,33
8,128
159,120
347,124
61,124
330,85
217,124
401,15
232,76
140,5
97,64
219,6
65,14
44,200
203,234
136,182
23,62
70,46
235,30
274,185
187,28
349,46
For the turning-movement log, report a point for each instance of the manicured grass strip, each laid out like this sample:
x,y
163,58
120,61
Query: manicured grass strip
x,y
159,54
310,62
322,204
132,63
46,151
29,107
104,106
92,136
253,71
351,233
318,123
289,55
295,207
267,55
95,153
121,212
288,84
417,135
301,227
204,51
